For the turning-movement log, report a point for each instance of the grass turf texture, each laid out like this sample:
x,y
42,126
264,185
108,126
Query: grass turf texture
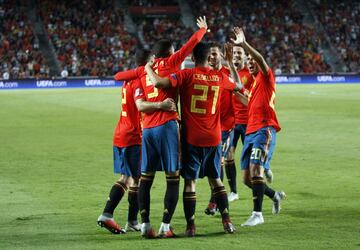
x,y
56,172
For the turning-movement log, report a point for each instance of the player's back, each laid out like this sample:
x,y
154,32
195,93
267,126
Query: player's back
x,y
200,105
153,94
128,129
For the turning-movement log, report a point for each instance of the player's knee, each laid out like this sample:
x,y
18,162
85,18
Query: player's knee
x,y
126,180
215,182
189,186
147,177
135,182
172,174
256,170
230,155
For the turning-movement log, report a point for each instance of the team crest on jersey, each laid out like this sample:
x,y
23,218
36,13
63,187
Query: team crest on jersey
x,y
244,80
173,76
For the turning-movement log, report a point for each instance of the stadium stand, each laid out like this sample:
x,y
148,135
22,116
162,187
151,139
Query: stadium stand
x,y
151,3
290,46
342,23
89,37
19,48
154,30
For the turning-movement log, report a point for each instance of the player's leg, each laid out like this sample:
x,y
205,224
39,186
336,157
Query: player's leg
x,y
225,147
230,168
132,224
190,163
248,169
189,204
211,207
263,142
211,166
132,160
149,165
106,219
168,135
117,191
275,196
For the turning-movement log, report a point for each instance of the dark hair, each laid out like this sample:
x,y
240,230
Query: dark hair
x,y
162,48
215,45
201,52
141,56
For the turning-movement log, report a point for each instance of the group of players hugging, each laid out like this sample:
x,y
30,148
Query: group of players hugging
x,y
218,105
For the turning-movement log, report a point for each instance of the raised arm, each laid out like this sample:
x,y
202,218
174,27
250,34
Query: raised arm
x,y
229,59
179,56
129,75
167,105
240,40
156,80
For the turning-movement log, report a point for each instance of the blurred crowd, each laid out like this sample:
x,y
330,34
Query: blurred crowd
x,y
151,3
161,28
90,39
341,21
88,36
274,27
19,48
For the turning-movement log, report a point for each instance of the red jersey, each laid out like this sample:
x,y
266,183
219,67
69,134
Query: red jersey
x,y
241,110
227,116
200,89
261,107
163,67
128,129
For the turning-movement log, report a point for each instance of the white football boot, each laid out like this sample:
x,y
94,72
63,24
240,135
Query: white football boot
x,y
233,196
256,218
277,201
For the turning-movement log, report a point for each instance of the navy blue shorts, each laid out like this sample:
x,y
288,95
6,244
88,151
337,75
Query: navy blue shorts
x,y
258,148
226,141
239,132
127,160
197,162
160,148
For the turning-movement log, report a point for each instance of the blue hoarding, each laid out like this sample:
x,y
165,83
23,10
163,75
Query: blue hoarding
x,y
106,82
59,83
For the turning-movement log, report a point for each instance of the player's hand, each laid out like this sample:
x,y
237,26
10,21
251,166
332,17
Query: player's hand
x,y
201,22
228,56
151,61
240,36
168,105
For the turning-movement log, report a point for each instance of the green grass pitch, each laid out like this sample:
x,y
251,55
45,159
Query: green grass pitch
x,y
56,171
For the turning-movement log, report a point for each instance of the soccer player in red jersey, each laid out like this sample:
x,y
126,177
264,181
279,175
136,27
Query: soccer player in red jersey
x,y
240,110
160,141
226,117
126,149
261,129
200,89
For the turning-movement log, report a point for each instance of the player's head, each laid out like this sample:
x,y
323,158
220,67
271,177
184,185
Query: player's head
x,y
142,56
239,57
252,65
215,55
163,48
200,54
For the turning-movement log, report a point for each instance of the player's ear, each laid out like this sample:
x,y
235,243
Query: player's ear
x,y
192,58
